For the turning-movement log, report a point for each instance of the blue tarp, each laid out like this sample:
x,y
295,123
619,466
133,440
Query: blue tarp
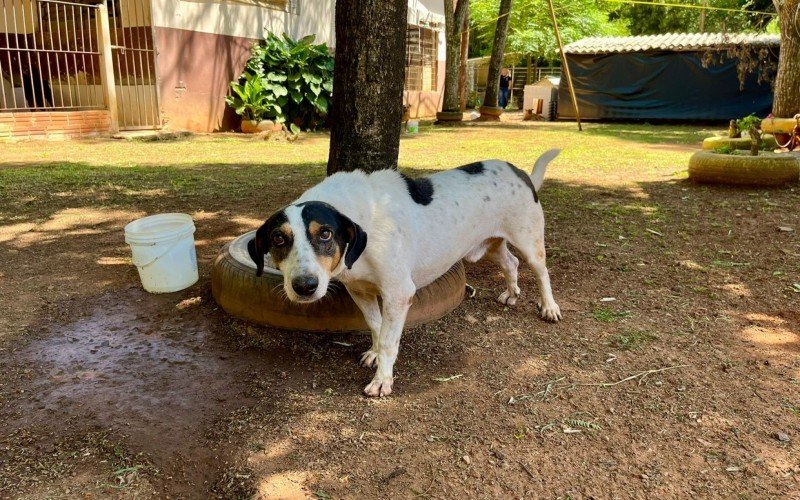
x,y
660,86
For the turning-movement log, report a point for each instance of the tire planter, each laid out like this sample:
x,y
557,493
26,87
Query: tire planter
x,y
778,125
766,169
241,293
490,113
743,143
449,116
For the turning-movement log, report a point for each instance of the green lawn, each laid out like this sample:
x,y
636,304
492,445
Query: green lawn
x,y
35,176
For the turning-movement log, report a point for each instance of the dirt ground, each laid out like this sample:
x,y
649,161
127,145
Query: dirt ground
x,y
675,372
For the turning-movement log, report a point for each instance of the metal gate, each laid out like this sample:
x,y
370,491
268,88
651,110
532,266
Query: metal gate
x,y
134,62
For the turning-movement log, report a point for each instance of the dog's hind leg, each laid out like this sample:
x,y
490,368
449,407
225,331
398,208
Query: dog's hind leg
x,y
372,315
498,253
532,250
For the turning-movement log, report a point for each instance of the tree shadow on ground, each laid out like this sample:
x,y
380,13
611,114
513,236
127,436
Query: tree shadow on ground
x,y
208,404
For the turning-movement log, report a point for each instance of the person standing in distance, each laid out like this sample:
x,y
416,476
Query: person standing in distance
x,y
505,87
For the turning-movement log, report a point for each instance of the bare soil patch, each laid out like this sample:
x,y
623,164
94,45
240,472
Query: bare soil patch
x,y
107,391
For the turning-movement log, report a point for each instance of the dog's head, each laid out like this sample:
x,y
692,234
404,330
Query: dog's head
x,y
308,242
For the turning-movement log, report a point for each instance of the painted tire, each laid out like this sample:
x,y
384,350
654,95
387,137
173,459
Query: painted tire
x,y
763,170
717,142
242,294
778,125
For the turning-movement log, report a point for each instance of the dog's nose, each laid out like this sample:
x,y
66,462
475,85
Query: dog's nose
x,y
305,285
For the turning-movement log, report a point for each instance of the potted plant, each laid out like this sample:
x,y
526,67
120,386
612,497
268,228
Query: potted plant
x,y
250,100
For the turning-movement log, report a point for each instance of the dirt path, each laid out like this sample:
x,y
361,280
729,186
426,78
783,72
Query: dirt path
x,y
108,391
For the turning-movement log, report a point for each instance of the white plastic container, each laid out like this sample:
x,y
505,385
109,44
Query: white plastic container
x,y
412,127
163,251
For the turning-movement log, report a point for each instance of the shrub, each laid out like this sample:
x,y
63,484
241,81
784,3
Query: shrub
x,y
752,124
287,81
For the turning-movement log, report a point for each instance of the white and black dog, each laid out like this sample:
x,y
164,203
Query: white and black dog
x,y
385,234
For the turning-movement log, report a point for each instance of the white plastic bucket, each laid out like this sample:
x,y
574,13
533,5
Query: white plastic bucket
x,y
163,251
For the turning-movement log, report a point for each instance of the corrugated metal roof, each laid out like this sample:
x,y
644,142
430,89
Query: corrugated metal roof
x,y
678,42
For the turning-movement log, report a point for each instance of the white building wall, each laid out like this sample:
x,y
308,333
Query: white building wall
x,y
232,18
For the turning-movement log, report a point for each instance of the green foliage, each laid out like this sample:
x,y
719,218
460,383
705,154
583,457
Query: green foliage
x,y
608,315
752,124
530,30
631,340
251,100
656,19
749,122
287,81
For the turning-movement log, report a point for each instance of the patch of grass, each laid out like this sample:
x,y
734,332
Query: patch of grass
x,y
608,315
631,340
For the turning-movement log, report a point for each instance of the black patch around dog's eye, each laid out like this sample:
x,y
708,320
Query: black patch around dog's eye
x,y
476,168
262,243
420,190
346,233
525,178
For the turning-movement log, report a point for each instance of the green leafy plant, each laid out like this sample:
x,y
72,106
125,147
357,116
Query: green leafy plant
x,y
752,124
295,79
251,100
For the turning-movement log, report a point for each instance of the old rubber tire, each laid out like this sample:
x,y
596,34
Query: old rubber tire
x,y
778,125
766,169
242,294
743,143
449,116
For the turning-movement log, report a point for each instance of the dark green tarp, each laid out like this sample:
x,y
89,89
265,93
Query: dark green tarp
x,y
660,86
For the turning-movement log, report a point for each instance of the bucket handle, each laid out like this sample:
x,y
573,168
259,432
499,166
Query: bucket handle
x,y
153,260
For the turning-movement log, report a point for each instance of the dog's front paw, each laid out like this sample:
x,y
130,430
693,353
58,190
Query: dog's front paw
x,y
378,387
550,312
508,299
369,359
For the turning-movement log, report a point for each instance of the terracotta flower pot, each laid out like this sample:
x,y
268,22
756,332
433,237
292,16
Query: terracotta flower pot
x,y
254,127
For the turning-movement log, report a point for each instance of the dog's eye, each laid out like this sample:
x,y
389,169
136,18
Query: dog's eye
x,y
325,235
278,240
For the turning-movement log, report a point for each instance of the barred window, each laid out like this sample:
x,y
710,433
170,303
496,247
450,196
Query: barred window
x,y
421,54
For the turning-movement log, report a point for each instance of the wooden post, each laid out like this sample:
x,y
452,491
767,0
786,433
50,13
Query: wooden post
x,y
107,66
565,65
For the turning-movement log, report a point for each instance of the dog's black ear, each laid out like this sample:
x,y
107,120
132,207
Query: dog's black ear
x,y
356,240
255,248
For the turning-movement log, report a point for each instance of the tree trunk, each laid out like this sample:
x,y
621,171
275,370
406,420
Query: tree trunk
x,y
454,14
367,84
462,68
787,82
498,51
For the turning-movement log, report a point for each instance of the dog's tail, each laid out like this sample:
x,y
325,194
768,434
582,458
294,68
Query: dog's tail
x,y
537,176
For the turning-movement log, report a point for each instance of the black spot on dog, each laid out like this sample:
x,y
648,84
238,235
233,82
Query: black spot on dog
x,y
420,190
486,198
476,168
494,172
526,179
494,183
